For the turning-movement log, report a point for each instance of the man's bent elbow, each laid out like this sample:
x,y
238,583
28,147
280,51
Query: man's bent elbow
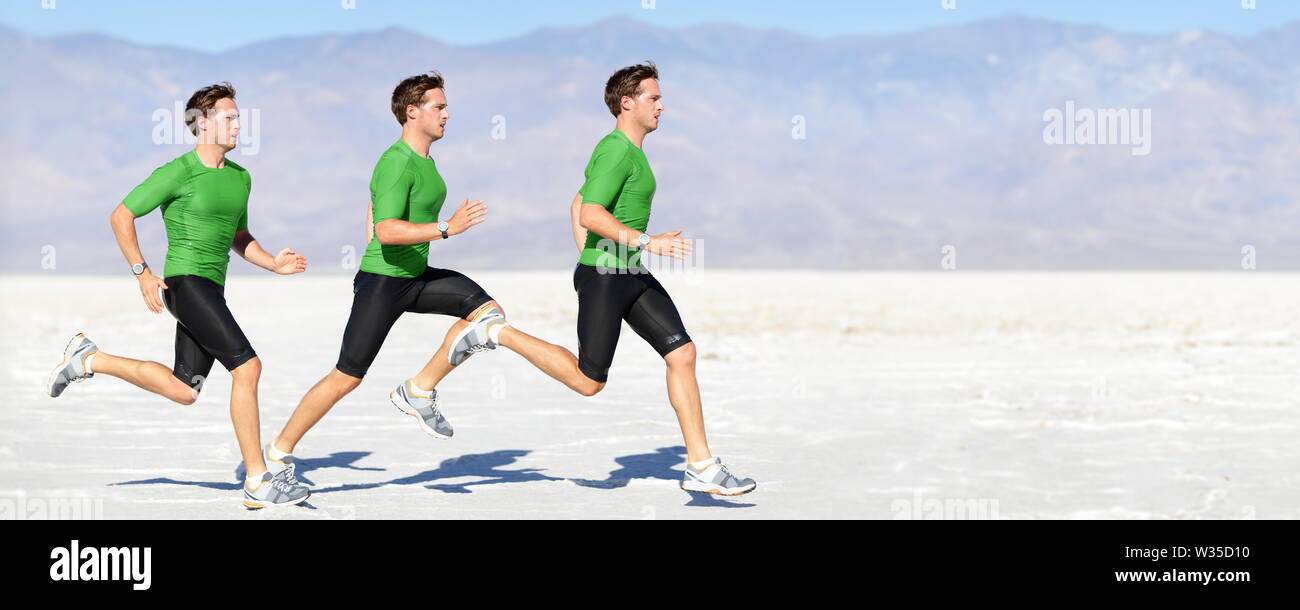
x,y
120,217
586,217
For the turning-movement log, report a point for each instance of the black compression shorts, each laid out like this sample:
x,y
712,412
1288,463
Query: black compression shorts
x,y
379,300
205,329
605,300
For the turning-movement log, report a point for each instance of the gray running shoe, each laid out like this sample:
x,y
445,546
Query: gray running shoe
x,y
715,479
274,491
286,468
424,410
73,367
475,338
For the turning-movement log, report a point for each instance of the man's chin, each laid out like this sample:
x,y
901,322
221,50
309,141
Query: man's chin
x,y
224,146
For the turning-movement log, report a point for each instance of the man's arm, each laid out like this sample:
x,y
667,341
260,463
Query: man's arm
x,y
575,216
123,222
370,222
287,262
398,232
597,219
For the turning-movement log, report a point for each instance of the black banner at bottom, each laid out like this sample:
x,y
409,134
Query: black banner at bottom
x,y
936,559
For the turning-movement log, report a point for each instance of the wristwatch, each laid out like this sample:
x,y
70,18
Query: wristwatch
x,y
443,226
139,268
644,240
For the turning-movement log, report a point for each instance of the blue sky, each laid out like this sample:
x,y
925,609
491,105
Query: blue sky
x,y
200,24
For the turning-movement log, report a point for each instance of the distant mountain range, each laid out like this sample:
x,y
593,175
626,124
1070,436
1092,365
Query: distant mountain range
x,y
912,142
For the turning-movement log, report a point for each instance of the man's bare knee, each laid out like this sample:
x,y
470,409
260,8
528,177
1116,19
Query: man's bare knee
x,y
590,387
183,393
343,382
683,356
348,383
248,371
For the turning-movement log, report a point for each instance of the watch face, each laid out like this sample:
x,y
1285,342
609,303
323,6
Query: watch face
x,y
442,226
137,268
645,239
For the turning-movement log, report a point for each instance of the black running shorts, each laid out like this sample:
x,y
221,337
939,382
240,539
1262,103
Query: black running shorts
x,y
379,300
205,329
605,300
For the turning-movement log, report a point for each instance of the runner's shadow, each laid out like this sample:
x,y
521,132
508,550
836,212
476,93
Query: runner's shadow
x,y
485,466
340,459
703,499
657,465
170,481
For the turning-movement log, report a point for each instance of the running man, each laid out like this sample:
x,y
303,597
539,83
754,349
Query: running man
x,y
610,214
407,195
204,201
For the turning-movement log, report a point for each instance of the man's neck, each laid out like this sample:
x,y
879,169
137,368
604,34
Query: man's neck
x,y
211,155
630,129
418,141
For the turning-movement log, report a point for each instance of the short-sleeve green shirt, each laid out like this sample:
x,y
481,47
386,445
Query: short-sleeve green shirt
x,y
618,178
202,209
404,185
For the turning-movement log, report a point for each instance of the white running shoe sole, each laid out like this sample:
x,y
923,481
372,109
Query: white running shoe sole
x,y
405,408
257,504
711,488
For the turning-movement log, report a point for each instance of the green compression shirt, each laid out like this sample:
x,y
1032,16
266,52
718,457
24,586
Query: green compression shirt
x,y
618,178
202,209
406,186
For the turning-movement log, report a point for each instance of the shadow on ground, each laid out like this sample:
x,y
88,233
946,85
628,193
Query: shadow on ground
x,y
342,459
488,468
656,465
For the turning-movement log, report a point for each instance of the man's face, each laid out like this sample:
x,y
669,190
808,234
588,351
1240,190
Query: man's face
x,y
431,115
220,125
646,106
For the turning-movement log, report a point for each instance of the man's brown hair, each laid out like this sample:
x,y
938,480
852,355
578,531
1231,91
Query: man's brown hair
x,y
627,81
410,92
202,102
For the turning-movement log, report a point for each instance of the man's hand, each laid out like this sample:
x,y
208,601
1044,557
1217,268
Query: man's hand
x,y
669,244
469,214
288,262
149,285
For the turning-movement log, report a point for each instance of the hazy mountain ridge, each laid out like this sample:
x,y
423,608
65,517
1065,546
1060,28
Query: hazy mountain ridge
x,y
914,141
